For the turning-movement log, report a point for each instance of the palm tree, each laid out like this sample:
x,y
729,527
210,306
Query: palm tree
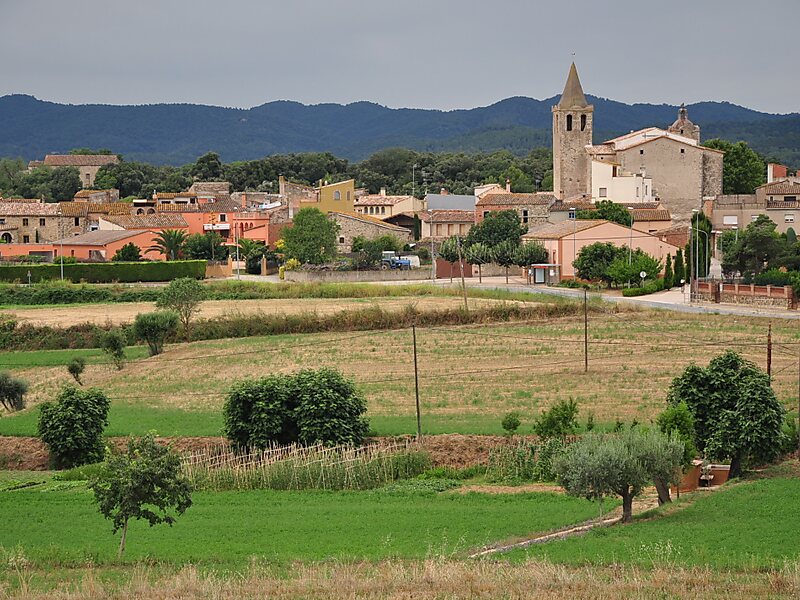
x,y
170,243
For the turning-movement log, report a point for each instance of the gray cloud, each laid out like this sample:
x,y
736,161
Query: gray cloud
x,y
435,53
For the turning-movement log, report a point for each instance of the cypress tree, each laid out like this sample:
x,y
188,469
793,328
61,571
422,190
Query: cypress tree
x,y
679,272
668,273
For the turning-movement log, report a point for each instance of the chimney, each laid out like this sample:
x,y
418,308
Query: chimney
x,y
444,192
508,185
383,191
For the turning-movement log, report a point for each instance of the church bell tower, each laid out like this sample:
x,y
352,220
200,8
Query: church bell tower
x,y
572,132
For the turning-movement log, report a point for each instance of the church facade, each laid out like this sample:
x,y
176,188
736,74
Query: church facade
x,y
668,165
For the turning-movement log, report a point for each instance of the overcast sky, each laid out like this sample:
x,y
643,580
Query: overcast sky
x,y
405,53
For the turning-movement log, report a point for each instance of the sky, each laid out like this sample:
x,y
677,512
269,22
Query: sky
x,y
441,54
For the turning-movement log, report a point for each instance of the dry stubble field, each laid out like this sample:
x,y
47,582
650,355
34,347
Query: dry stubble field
x,y
473,372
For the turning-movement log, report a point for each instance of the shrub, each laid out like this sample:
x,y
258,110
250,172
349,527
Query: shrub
x,y
107,272
130,252
291,265
113,343
154,328
309,407
510,423
72,427
12,392
649,288
76,367
182,295
559,421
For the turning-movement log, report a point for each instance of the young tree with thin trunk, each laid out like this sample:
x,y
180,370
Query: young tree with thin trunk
x,y
182,295
504,254
479,254
448,250
145,482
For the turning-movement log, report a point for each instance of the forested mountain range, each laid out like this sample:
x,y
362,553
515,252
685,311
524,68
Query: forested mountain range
x,y
178,133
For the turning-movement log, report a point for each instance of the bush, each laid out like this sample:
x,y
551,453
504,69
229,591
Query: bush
x,y
130,252
154,328
308,407
559,421
76,367
524,462
113,343
12,392
510,423
72,427
107,272
649,288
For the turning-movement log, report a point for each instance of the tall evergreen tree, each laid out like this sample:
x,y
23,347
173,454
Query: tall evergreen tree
x,y
680,273
668,275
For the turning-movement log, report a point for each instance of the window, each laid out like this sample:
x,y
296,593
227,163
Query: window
x,y
42,222
341,239
383,210
645,190
439,229
25,222
524,215
637,191
571,214
603,192
683,151
88,180
641,151
26,239
485,214
222,218
788,218
583,122
337,195
77,221
569,122
2,221
730,220
348,195
754,217
790,198
6,238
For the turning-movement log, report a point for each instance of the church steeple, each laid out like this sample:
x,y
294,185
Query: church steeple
x,y
683,126
572,96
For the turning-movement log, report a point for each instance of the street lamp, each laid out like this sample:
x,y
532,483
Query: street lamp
x,y
736,229
413,178
573,214
630,241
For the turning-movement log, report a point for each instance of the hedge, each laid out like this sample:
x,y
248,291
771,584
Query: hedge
x,y
649,288
123,272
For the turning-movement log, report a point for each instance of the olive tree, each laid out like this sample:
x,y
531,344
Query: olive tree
x,y
113,343
145,482
182,295
76,367
597,466
12,392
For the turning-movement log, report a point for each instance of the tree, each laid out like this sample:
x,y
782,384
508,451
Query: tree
x,y
559,421
478,254
528,254
12,392
312,237
113,343
182,295
146,482
371,251
498,226
702,239
205,246
155,327
743,169
679,276
662,457
621,270
736,414
668,275
608,210
252,251
677,420
726,241
600,465
448,250
130,252
791,236
207,168
76,367
504,254
759,245
169,242
72,427
593,261
308,407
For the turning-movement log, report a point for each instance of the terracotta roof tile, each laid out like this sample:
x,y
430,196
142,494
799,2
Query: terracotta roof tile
x,y
28,209
110,208
369,219
555,231
448,216
511,199
79,160
648,214
781,188
74,209
155,221
97,238
378,200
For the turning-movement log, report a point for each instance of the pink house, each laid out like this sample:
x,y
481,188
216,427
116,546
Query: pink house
x,y
564,240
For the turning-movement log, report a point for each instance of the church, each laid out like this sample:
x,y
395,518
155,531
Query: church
x,y
645,166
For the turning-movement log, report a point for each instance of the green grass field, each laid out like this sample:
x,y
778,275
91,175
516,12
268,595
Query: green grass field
x,y
746,527
59,525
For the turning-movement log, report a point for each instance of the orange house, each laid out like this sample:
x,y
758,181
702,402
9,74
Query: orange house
x,y
103,245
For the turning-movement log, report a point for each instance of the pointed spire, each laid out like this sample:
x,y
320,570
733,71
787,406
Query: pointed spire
x,y
573,97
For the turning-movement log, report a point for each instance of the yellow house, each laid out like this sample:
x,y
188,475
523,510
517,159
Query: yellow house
x,y
334,197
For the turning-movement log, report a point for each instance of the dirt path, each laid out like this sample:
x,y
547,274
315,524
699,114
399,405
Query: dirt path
x,y
100,314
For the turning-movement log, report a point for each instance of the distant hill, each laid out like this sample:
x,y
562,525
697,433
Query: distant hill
x,y
179,133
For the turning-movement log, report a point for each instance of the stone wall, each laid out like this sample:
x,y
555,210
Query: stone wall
x,y
351,227
571,164
343,276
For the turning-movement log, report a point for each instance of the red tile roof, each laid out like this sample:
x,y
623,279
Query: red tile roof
x,y
448,216
79,160
511,199
156,221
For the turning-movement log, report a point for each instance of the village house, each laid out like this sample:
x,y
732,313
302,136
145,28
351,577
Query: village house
x,y
36,222
87,164
438,225
156,222
532,208
383,206
96,196
564,241
103,245
352,225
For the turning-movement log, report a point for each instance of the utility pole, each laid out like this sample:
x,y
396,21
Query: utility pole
x,y
769,351
798,399
416,381
585,332
461,268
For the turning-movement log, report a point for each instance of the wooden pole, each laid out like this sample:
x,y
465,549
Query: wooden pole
x,y
769,350
585,332
461,268
416,382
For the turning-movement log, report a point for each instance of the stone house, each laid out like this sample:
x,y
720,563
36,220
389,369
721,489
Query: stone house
x,y
87,164
533,209
96,196
438,225
39,222
352,225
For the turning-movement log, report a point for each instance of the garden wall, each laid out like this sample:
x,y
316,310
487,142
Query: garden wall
x,y
344,276
754,295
